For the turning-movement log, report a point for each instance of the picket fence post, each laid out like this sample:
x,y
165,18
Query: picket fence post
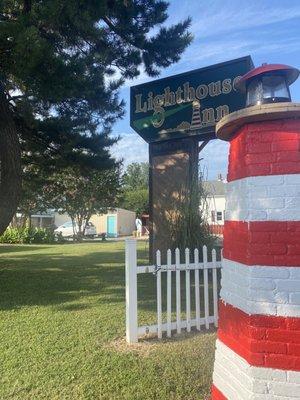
x,y
165,290
131,291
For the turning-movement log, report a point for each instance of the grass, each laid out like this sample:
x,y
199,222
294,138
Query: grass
x,y
62,329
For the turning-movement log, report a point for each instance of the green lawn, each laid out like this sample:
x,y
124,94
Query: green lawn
x,y
62,330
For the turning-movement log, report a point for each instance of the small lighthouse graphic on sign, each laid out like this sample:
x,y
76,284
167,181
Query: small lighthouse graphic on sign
x,y
196,118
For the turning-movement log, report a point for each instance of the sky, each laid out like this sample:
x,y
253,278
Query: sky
x,y
268,30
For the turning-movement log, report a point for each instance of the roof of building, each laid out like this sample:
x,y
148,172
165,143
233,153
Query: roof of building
x,y
214,188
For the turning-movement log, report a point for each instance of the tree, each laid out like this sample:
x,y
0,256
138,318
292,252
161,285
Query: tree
x,y
136,200
32,199
184,219
136,176
10,165
61,65
81,196
135,191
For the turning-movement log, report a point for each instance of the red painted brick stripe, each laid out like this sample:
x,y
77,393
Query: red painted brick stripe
x,y
263,341
216,394
263,243
265,149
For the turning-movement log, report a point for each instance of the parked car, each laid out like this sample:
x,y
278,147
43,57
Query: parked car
x,y
66,230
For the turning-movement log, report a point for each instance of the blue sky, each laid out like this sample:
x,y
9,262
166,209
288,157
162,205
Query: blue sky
x,y
268,30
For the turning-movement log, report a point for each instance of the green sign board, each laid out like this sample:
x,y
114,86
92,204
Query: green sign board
x,y
187,104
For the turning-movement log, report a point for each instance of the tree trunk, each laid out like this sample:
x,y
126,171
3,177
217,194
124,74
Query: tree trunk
x,y
10,165
79,233
28,220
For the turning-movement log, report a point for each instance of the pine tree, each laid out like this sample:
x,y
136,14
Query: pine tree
x,y
61,66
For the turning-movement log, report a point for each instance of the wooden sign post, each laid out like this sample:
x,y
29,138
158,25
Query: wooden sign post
x,y
173,114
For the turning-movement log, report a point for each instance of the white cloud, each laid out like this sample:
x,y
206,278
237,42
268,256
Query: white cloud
x,y
142,78
220,33
224,30
220,17
131,148
200,55
213,159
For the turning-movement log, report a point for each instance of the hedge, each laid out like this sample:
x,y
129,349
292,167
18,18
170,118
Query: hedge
x,y
30,235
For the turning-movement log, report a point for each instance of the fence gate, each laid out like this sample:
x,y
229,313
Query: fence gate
x,y
190,271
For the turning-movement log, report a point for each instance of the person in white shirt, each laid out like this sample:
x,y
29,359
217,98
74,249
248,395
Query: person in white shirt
x,y
138,224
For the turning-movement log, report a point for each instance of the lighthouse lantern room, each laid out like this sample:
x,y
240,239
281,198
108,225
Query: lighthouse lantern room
x,y
268,84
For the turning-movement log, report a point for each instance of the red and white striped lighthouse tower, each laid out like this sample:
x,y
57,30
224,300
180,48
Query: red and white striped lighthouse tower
x,y
258,345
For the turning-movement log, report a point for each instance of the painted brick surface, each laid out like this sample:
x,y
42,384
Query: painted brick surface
x,y
236,379
268,341
262,242
267,198
260,150
216,394
258,347
260,289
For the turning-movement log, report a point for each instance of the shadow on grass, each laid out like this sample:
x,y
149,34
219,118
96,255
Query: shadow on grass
x,y
12,248
53,279
50,278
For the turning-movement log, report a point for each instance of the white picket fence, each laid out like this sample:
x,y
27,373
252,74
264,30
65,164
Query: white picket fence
x,y
133,331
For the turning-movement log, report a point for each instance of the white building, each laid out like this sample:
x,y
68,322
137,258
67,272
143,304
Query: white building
x,y
116,222
215,205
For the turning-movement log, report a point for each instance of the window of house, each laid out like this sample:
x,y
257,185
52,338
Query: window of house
x,y
219,215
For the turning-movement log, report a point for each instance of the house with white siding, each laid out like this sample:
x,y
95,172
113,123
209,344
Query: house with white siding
x,y
215,204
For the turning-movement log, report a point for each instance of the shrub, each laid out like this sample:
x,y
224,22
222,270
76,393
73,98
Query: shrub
x,y
29,235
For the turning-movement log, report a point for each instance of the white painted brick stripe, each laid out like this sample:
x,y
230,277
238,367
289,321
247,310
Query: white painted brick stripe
x,y
264,198
238,380
260,289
